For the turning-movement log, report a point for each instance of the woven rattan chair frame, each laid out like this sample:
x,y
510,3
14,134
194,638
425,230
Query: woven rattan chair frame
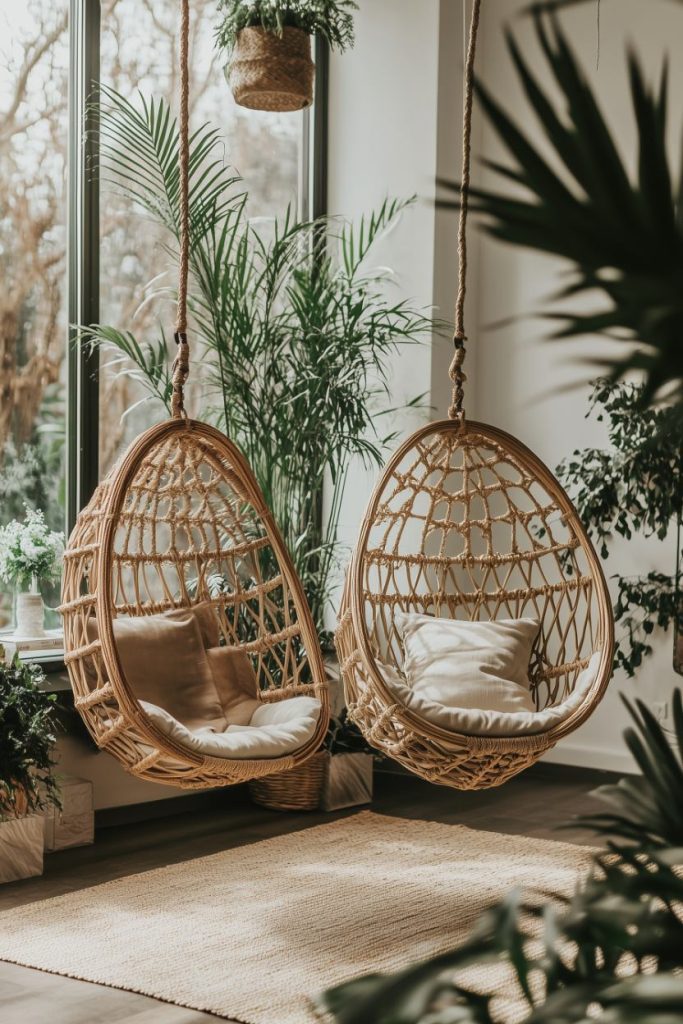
x,y
433,541
180,512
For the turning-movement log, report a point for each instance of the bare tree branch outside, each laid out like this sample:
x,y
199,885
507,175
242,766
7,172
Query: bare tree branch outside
x,y
138,54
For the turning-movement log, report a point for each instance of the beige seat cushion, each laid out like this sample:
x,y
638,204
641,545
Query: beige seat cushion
x,y
481,722
235,682
276,730
165,663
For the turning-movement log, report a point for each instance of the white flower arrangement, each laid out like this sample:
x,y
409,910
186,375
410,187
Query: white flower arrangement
x,y
30,551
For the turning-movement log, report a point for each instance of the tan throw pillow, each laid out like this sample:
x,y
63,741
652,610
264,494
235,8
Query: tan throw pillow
x,y
462,664
235,682
165,663
207,618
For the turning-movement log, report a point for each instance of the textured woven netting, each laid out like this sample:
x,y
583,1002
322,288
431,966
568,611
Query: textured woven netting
x,y
187,533
465,529
188,527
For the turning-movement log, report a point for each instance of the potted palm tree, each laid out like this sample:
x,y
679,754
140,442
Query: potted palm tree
x,y
27,781
269,47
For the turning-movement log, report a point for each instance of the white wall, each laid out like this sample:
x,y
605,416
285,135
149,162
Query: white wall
x,y
520,379
383,142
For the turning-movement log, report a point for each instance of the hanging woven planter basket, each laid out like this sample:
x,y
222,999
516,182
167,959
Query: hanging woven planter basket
x,y
271,72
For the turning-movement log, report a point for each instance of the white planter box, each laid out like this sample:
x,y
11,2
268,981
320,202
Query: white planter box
x,y
348,782
74,824
21,848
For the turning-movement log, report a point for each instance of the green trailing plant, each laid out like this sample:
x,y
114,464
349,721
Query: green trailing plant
x,y
293,332
28,730
613,953
632,488
622,233
332,20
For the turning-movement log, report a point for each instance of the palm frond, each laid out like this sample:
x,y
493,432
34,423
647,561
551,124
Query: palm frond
x,y
622,233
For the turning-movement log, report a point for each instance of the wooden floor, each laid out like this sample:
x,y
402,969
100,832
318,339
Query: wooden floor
x,y
532,805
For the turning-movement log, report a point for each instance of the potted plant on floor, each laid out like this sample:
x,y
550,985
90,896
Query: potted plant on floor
x,y
348,782
30,554
297,331
269,46
27,781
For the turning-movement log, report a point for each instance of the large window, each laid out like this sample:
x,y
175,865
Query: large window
x,y
139,55
34,71
74,254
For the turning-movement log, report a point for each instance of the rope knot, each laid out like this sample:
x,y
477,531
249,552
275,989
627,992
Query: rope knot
x,y
181,371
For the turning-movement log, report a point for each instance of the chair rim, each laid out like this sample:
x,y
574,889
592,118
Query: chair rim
x,y
414,722
130,706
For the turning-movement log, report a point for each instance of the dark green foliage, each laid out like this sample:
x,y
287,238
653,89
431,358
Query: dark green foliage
x,y
613,953
623,234
344,737
631,488
28,729
332,20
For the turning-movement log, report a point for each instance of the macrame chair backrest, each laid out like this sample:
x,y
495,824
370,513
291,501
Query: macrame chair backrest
x,y
178,522
466,522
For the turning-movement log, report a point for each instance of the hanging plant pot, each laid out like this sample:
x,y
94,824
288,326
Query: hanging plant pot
x,y
272,72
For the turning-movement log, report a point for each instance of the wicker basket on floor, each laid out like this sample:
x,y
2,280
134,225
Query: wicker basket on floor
x,y
297,790
271,72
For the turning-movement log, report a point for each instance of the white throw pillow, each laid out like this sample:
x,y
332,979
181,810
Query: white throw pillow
x,y
462,664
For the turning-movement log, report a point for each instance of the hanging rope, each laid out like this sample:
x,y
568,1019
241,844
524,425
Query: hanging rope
x,y
457,375
181,364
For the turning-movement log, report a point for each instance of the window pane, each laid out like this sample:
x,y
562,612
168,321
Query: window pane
x,y
140,54
33,148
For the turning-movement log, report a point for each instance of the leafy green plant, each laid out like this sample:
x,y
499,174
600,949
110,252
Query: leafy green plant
x,y
332,20
622,235
613,953
632,488
28,730
294,332
344,737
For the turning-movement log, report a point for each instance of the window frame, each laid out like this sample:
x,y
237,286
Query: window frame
x,y
83,260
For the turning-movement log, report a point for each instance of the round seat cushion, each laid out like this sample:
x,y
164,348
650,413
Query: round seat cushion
x,y
485,722
275,730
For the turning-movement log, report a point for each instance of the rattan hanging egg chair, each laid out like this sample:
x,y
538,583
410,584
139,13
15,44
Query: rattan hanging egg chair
x,y
179,528
467,523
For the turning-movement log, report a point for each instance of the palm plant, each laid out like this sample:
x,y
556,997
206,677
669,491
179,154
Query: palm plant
x,y
612,953
295,331
623,237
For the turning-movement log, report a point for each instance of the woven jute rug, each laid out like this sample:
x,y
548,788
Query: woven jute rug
x,y
254,933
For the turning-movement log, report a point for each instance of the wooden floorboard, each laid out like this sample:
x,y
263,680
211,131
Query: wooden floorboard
x,y
534,804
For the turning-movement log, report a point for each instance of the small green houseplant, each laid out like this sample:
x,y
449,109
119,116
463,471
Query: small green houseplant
x,y
269,47
632,488
28,784
30,554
